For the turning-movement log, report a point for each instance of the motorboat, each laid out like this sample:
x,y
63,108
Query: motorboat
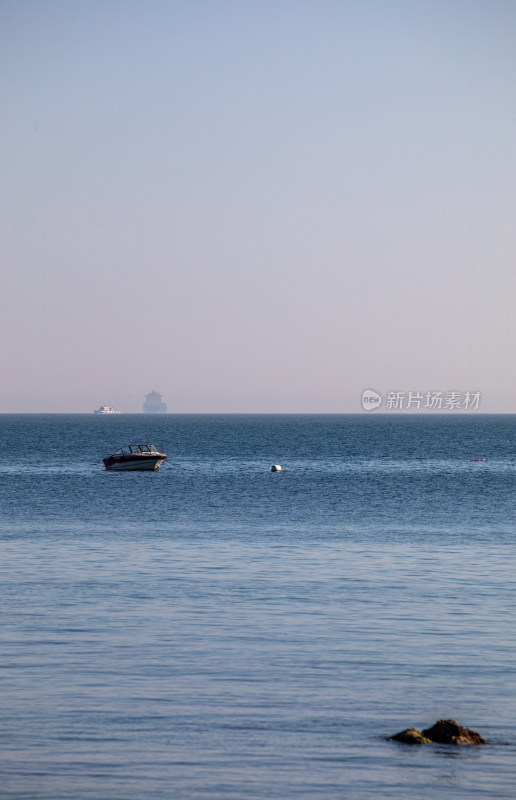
x,y
136,456
106,410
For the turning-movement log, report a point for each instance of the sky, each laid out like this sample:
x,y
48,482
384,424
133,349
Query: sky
x,y
256,205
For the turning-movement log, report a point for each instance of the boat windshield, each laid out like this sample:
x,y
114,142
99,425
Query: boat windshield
x,y
138,449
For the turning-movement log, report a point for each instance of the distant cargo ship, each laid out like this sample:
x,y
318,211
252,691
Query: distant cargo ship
x,y
153,404
106,410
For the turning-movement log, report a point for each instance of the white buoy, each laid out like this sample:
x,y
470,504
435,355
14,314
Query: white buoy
x,y
275,468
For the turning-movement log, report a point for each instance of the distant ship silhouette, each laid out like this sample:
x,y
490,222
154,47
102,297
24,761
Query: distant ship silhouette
x,y
153,404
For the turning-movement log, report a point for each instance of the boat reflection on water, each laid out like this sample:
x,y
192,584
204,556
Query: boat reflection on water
x,y
136,456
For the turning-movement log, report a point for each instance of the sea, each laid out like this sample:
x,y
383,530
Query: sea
x,y
217,631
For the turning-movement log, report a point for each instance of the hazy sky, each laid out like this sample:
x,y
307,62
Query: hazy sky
x,y
256,205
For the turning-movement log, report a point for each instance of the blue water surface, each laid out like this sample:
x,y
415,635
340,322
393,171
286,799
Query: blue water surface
x,y
214,630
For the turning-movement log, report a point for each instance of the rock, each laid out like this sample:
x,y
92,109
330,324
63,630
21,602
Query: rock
x,y
446,731
409,736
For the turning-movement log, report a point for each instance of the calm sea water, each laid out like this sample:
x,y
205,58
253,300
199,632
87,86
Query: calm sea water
x,y
215,630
